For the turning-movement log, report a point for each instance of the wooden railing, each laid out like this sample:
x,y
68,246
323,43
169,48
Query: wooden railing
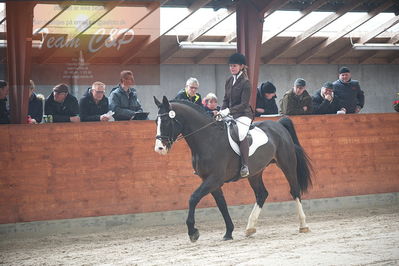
x,y
68,170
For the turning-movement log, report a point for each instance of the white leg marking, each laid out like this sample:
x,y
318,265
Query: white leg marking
x,y
253,218
301,214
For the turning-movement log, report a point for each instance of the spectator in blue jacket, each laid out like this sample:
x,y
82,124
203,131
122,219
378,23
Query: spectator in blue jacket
x,y
348,92
123,99
94,104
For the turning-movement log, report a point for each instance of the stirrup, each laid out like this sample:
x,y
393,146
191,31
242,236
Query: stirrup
x,y
244,171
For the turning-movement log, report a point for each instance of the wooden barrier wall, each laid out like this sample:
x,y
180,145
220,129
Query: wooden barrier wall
x,y
59,171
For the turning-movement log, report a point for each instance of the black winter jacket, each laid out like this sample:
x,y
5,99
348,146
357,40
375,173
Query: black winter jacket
x,y
61,112
323,106
35,108
89,110
269,106
4,112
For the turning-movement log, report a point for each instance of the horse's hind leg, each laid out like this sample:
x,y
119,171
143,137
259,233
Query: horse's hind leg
x,y
261,194
221,203
289,169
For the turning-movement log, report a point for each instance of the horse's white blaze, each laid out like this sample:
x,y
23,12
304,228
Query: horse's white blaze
x,y
301,214
253,218
159,147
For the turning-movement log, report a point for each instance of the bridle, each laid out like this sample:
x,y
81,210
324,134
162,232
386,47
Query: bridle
x,y
170,139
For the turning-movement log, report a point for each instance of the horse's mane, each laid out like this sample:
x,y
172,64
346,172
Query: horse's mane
x,y
195,106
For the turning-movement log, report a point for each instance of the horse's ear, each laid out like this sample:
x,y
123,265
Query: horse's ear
x,y
165,103
157,102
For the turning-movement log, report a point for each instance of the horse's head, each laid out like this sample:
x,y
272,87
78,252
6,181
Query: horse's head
x,y
168,128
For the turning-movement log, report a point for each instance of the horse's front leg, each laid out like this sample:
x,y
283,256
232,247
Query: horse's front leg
x,y
205,188
221,203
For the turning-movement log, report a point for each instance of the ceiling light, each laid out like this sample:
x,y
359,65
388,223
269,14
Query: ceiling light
x,y
208,45
375,46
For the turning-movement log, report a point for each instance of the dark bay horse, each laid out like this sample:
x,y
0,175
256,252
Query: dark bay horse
x,y
215,161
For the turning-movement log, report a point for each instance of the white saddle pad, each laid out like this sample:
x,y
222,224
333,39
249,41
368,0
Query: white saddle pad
x,y
259,138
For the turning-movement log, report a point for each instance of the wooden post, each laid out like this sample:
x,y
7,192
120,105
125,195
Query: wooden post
x,y
249,39
19,19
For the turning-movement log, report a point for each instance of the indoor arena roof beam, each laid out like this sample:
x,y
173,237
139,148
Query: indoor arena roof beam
x,y
390,23
304,36
329,41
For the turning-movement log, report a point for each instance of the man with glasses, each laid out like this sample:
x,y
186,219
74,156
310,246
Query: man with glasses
x,y
94,104
297,101
62,106
190,93
123,99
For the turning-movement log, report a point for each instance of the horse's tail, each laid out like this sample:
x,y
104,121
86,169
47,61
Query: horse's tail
x,y
304,167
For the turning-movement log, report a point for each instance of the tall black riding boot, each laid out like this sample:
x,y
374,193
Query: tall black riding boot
x,y
244,150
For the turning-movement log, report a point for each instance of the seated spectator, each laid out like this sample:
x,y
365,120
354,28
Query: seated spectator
x,y
348,91
266,100
94,104
61,105
190,93
297,101
4,111
324,101
123,98
211,104
35,111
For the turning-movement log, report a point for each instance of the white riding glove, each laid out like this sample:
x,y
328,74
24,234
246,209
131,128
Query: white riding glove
x,y
224,112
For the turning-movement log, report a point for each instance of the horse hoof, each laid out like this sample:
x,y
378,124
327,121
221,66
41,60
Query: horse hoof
x,y
194,237
250,231
225,238
304,230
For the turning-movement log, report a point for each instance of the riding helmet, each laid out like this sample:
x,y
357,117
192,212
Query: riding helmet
x,y
237,58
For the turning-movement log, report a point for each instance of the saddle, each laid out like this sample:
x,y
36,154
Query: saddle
x,y
256,136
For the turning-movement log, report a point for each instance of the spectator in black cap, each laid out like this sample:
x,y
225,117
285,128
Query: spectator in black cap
x,y
297,101
348,92
324,101
266,100
62,106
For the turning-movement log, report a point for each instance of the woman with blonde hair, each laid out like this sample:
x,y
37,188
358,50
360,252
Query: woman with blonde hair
x,y
236,104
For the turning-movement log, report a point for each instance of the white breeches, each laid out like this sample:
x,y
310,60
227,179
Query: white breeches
x,y
243,124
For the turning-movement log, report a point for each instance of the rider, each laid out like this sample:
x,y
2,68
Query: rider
x,y
236,103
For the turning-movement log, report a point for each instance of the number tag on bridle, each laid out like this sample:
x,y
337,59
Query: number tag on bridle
x,y
172,114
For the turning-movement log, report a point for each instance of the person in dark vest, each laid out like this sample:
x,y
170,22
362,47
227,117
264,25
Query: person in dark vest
x,y
266,100
348,91
236,104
